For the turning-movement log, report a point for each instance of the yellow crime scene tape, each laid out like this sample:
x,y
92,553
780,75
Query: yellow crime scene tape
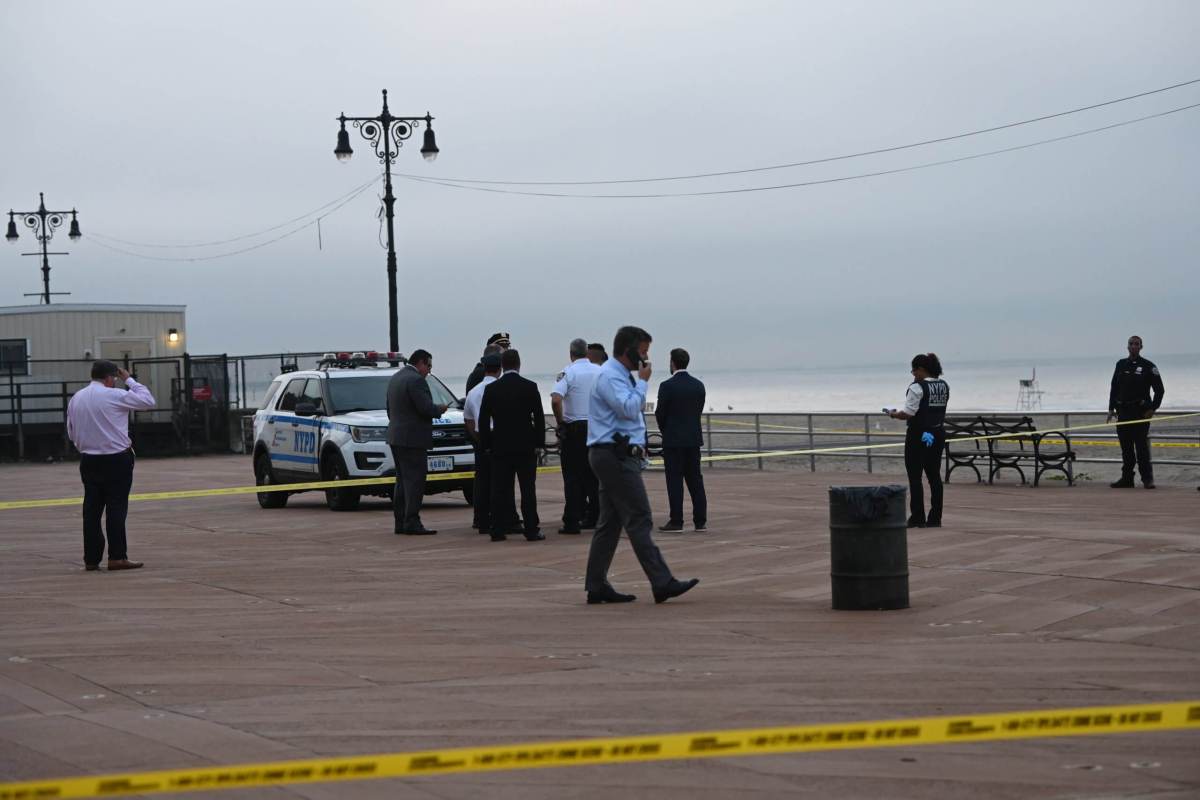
x,y
445,476
1090,721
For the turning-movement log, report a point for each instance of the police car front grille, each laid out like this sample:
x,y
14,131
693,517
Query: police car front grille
x,y
450,436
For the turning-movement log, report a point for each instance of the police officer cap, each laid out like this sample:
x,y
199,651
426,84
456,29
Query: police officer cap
x,y
491,362
499,338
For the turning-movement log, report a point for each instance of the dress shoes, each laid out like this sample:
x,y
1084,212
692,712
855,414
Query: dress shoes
x,y
535,536
609,595
422,531
91,567
671,527
566,529
674,589
701,527
1124,483
499,537
913,522
123,563
933,523
1149,484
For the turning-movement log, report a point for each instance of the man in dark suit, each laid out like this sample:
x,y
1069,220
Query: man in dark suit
x,y
411,412
680,405
512,426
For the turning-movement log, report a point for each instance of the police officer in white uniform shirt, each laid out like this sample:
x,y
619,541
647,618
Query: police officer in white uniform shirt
x,y
569,401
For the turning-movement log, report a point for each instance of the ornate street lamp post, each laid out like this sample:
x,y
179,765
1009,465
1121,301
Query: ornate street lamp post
x,y
43,223
387,133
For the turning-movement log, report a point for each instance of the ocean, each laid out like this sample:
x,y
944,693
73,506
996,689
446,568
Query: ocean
x,y
1066,384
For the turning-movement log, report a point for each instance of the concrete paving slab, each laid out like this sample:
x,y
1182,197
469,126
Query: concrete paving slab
x,y
261,635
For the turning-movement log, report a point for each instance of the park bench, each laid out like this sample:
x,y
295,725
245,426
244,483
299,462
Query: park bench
x,y
1019,444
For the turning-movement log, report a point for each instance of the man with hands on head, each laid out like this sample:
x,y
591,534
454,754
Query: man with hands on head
x,y
98,424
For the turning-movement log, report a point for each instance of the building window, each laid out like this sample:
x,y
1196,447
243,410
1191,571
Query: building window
x,y
14,356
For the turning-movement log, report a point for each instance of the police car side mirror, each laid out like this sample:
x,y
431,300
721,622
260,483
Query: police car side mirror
x,y
460,403
306,410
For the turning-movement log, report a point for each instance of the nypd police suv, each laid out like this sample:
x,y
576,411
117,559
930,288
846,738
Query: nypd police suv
x,y
330,423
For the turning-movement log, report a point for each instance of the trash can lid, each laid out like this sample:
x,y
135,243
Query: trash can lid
x,y
865,503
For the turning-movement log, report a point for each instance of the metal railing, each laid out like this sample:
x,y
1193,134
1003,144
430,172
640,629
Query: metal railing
x,y
732,433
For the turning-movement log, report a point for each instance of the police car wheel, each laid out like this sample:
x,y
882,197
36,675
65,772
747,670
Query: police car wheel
x,y
263,476
468,491
339,499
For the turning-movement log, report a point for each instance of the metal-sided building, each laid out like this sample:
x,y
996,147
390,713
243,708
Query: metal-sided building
x,y
46,353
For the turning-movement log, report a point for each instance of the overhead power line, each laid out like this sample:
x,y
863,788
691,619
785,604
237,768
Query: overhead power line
x,y
819,182
345,199
357,190
827,160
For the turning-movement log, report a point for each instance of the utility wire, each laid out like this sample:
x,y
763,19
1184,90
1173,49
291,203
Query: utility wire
x,y
840,179
279,238
817,160
352,193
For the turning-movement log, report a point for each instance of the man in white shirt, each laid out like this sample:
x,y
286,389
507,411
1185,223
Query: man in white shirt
x,y
98,424
569,401
482,491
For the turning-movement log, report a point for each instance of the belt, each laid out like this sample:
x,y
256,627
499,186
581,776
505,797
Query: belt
x,y
571,422
604,446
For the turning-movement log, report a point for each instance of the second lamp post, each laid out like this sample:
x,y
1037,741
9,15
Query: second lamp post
x,y
387,133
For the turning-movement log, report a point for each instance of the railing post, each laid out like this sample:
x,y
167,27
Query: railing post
x,y
758,438
812,457
20,425
65,438
867,431
708,436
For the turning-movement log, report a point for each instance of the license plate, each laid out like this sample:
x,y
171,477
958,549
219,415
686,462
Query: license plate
x,y
441,464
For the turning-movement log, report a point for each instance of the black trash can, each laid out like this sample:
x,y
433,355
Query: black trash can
x,y
868,547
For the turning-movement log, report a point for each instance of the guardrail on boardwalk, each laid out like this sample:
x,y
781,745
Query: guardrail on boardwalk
x,y
1174,442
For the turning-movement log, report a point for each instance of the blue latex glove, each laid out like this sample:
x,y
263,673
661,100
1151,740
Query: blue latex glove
x,y
927,438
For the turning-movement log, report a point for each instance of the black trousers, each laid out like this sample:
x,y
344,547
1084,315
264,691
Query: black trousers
x,y
579,482
409,492
106,484
623,504
1135,443
918,460
683,465
483,490
504,467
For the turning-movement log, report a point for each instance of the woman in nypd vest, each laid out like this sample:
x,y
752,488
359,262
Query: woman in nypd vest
x,y
925,410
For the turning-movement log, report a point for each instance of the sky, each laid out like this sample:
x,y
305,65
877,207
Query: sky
x,y
172,123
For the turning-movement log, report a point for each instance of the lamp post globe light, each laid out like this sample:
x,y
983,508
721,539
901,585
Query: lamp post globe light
x,y
387,134
43,223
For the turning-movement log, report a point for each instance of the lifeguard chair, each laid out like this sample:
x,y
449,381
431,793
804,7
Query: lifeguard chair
x,y
1029,395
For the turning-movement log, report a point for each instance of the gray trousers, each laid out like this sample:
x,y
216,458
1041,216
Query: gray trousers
x,y
623,504
411,464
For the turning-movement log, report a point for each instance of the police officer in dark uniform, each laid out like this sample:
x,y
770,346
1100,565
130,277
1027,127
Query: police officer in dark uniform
x,y
925,409
1129,399
497,343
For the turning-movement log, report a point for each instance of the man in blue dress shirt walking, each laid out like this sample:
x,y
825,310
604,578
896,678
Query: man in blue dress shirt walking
x,y
617,454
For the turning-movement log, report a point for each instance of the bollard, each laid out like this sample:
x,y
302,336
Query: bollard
x,y
868,547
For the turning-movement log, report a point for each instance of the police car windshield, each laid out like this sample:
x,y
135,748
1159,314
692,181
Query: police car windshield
x,y
369,393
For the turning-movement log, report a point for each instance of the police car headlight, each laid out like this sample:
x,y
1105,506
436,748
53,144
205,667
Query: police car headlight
x,y
368,434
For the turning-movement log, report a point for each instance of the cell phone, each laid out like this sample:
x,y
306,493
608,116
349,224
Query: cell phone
x,y
889,410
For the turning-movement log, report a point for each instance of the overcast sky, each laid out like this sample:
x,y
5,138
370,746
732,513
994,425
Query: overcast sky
x,y
176,123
